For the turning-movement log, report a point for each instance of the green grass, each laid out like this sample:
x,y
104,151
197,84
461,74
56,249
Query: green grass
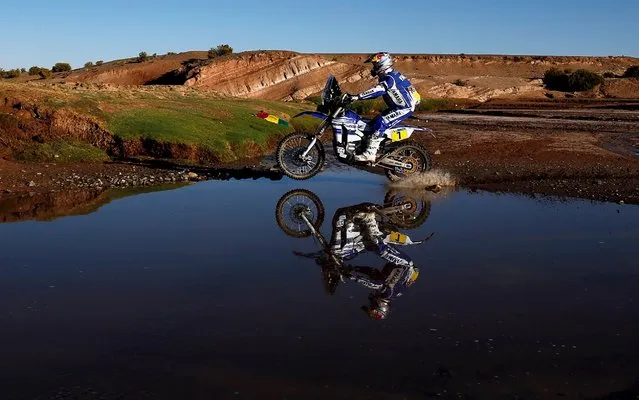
x,y
63,152
228,128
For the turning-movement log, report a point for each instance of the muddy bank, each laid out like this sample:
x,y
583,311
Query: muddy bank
x,y
574,152
17,178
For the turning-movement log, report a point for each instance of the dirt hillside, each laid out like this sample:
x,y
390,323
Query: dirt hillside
x,y
286,75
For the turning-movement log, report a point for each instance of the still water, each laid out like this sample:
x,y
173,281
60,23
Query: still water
x,y
198,293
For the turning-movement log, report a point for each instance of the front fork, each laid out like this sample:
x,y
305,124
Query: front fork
x,y
320,132
310,146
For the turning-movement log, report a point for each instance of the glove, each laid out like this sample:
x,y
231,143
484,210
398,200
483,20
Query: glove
x,y
349,98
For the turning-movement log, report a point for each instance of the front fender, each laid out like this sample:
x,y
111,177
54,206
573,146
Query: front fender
x,y
315,114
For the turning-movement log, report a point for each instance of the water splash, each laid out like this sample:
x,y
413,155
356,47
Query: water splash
x,y
430,179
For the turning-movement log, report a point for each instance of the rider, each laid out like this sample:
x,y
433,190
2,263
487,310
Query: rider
x,y
400,97
355,229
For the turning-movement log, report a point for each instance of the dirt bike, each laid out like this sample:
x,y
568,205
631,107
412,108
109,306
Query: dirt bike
x,y
301,155
300,213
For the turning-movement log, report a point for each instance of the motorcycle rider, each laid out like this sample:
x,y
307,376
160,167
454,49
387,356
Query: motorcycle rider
x,y
399,95
355,229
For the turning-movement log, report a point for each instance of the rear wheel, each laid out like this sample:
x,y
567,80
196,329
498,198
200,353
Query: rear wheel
x,y
413,212
413,154
293,163
294,207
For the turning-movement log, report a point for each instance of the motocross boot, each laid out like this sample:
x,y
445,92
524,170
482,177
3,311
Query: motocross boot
x,y
370,154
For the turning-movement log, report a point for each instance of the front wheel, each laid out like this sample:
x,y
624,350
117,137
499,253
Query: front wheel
x,y
296,209
291,160
411,153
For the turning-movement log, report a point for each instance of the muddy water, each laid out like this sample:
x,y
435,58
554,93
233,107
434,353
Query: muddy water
x,y
197,293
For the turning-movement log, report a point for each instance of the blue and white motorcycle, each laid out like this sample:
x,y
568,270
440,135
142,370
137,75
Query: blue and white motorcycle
x,y
301,155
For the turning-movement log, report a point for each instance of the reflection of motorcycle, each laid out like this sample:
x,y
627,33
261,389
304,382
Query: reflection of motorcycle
x,y
301,155
358,228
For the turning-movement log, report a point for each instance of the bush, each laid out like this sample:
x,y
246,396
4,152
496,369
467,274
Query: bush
x,y
88,64
143,56
582,79
23,70
632,72
44,73
34,70
12,73
459,82
568,81
61,67
99,62
555,79
171,53
221,50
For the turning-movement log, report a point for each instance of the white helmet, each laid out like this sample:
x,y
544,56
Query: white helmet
x,y
381,62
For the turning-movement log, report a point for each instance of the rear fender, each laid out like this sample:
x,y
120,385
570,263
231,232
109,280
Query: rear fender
x,y
399,133
403,132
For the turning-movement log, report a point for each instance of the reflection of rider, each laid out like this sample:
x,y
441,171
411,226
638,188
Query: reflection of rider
x,y
356,229
399,95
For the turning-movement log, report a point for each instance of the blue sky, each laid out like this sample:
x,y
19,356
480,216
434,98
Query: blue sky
x,y
39,32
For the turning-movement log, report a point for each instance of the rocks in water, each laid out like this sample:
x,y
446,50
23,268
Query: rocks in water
x,y
192,175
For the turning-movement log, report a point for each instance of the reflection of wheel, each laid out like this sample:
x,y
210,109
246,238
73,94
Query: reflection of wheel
x,y
412,153
296,205
413,214
292,163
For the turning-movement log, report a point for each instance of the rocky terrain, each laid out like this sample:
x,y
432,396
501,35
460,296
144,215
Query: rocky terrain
x,y
286,75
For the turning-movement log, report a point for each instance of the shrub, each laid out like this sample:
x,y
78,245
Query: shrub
x,y
12,73
568,81
171,53
143,56
34,70
632,72
61,67
555,79
459,82
23,70
99,62
220,50
44,73
88,64
582,79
